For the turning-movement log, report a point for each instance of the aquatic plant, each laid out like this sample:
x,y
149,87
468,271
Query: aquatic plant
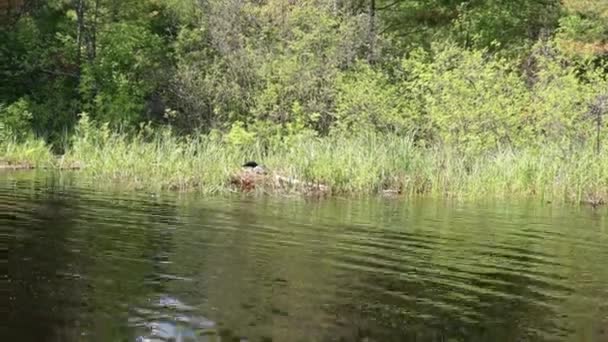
x,y
360,164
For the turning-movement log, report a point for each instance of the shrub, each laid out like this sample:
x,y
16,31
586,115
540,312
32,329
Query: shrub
x,y
15,121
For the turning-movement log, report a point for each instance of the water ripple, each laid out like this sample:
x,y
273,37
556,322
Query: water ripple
x,y
120,265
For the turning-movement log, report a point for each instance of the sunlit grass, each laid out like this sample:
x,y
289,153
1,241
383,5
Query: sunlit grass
x,y
29,153
365,164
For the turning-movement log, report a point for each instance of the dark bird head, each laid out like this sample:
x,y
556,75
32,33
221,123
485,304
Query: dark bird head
x,y
250,164
255,167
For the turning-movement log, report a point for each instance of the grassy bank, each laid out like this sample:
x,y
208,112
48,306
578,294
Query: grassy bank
x,y
31,153
347,165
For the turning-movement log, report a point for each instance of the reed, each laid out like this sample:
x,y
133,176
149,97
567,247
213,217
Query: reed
x,y
30,153
363,164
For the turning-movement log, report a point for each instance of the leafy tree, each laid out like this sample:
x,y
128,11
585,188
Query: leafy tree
x,y
476,74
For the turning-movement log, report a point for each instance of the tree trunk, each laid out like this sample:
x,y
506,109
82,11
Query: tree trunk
x,y
80,41
92,46
597,139
597,111
80,31
371,56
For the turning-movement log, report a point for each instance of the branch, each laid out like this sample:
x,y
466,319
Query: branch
x,y
59,73
389,5
414,31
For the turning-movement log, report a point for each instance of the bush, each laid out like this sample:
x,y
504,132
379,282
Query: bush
x,y
561,99
15,121
125,71
474,101
367,100
470,101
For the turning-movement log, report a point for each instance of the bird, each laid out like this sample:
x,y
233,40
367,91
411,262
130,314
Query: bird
x,y
255,167
250,164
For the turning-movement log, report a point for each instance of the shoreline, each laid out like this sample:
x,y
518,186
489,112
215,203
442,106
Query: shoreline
x,y
245,181
369,164
29,166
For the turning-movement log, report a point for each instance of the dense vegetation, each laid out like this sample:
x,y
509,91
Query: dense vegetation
x,y
429,95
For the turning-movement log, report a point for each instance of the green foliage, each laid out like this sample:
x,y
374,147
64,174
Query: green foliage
x,y
293,64
37,63
368,100
209,89
576,26
26,153
475,24
561,103
465,82
583,30
87,135
125,71
15,121
301,72
239,136
358,164
473,102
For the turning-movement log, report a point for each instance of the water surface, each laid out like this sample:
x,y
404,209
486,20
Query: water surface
x,y
89,265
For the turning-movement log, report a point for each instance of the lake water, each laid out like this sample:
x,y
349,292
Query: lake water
x,y
89,265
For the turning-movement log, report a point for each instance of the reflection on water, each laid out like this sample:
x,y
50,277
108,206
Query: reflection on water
x,y
85,265
176,324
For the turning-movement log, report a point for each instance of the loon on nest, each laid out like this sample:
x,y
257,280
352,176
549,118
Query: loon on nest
x,y
255,167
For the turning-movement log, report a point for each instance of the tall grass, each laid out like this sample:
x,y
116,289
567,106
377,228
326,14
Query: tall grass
x,y
350,165
373,163
25,154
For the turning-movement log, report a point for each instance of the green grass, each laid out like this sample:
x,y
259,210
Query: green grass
x,y
29,153
348,165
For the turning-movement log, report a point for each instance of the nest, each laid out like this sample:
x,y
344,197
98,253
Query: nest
x,y
248,180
